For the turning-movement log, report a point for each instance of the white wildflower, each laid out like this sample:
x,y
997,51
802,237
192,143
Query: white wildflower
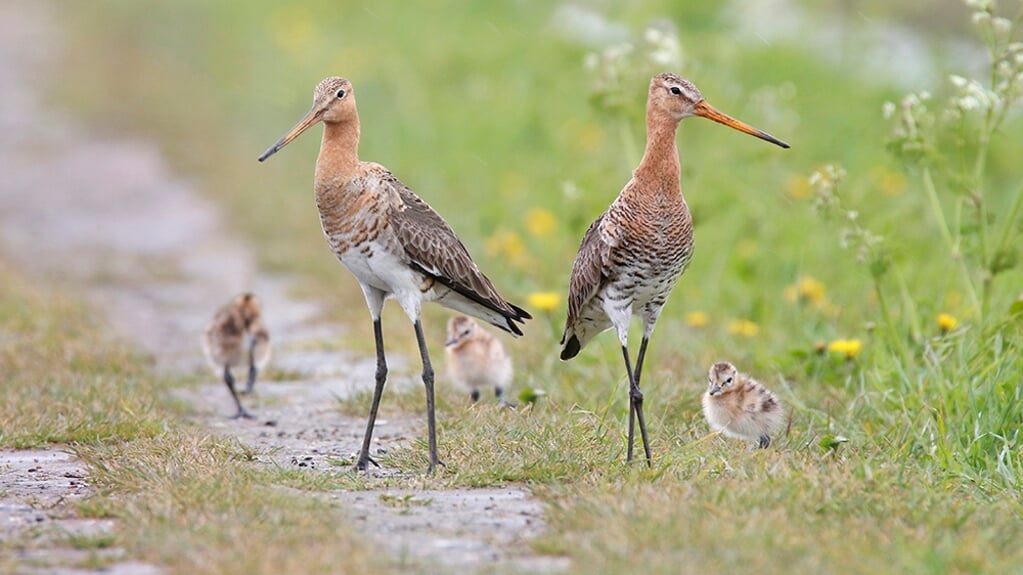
x,y
888,109
653,35
1001,26
968,103
570,190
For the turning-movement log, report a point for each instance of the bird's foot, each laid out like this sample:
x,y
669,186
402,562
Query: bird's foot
x,y
364,461
764,442
242,414
433,466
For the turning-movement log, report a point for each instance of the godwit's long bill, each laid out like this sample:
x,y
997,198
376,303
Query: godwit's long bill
x,y
633,254
394,244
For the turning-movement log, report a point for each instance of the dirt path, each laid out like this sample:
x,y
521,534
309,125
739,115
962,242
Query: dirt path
x,y
108,219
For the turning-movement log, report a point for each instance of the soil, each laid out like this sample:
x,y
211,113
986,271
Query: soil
x,y
108,219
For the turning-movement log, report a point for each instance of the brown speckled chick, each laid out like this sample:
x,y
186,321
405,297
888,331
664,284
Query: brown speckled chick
x,y
740,406
235,337
476,359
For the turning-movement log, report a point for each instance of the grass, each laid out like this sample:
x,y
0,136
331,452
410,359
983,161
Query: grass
x,y
488,112
184,500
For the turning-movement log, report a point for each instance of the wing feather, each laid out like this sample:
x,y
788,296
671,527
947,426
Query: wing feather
x,y
435,250
589,271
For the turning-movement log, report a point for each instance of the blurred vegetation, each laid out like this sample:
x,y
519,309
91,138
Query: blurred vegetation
x,y
877,292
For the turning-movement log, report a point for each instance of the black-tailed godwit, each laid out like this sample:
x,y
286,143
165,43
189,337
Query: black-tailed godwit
x,y
392,241
633,254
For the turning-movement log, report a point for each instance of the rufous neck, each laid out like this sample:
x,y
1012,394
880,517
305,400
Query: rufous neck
x,y
660,158
339,149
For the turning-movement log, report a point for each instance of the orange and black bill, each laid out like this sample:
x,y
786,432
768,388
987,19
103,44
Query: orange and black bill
x,y
711,113
304,124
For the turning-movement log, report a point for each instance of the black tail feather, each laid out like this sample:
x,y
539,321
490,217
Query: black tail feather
x,y
570,349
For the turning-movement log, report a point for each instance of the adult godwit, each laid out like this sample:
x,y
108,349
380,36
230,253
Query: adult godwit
x,y
392,241
235,337
632,255
476,359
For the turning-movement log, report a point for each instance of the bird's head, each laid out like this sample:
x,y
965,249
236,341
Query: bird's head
x,y
333,102
678,98
721,378
248,307
460,329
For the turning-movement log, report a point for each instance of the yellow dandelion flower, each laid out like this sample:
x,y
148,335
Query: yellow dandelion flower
x,y
743,327
697,319
797,188
507,246
947,322
806,290
747,249
540,222
589,137
545,301
890,183
850,348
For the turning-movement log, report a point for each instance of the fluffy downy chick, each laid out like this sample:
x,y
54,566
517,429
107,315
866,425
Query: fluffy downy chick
x,y
476,359
740,406
237,337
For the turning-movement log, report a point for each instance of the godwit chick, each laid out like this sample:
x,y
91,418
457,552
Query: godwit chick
x,y
392,241
632,255
476,359
740,406
235,337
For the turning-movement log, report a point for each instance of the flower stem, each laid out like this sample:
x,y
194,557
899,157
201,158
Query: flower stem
x,y
939,215
889,323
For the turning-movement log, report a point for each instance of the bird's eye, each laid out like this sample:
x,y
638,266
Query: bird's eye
x,y
676,90
728,380
340,94
465,333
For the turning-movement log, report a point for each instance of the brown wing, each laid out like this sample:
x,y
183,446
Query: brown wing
x,y
433,247
589,271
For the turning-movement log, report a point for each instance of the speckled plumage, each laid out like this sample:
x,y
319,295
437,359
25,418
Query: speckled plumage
x,y
237,337
394,244
476,360
740,406
633,254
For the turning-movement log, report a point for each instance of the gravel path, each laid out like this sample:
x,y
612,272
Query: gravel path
x,y
110,220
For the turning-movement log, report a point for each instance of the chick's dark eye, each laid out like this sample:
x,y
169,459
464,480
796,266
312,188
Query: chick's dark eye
x,y
676,90
340,94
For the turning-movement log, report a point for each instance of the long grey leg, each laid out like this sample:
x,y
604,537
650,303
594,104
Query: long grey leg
x,y
381,378
431,415
637,399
